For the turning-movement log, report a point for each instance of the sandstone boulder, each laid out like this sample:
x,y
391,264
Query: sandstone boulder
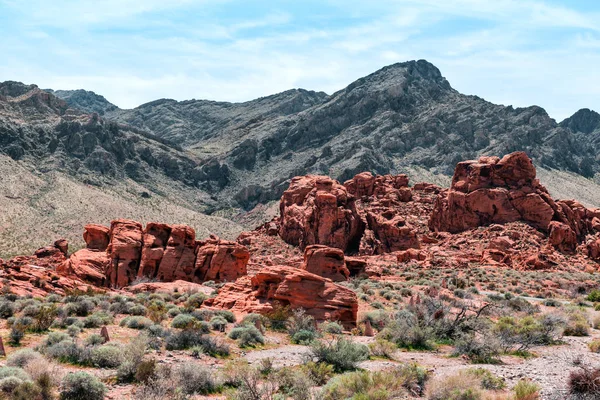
x,y
179,257
320,297
88,265
220,261
318,210
124,252
96,236
327,262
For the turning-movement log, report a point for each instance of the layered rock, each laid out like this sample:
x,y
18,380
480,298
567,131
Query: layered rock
x,y
391,233
327,262
318,210
220,261
289,286
124,252
159,252
390,186
492,190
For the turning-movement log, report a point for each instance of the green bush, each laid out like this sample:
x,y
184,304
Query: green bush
x,y
183,339
107,356
526,390
21,358
332,327
136,322
218,323
521,334
97,320
341,353
195,300
478,349
94,340
594,296
247,336
319,373
196,379
81,386
304,337
488,380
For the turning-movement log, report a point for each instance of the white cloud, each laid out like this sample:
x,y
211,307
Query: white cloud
x,y
509,51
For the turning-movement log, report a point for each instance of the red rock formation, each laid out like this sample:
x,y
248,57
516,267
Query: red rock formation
x,y
391,186
178,261
327,262
124,252
88,265
220,261
318,210
390,233
493,190
320,297
96,237
156,237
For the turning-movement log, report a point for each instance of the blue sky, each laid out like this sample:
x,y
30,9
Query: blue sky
x,y
507,51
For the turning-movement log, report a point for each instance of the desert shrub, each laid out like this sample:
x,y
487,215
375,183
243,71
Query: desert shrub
x,y
521,334
594,296
397,383
13,371
30,310
94,340
478,348
45,375
585,382
44,317
183,339
319,373
145,371
195,300
107,356
21,358
195,379
81,386
407,332
97,320
218,323
26,390
17,333
293,383
81,308
7,309
247,336
594,346
53,338
214,347
304,337
577,324
488,380
382,348
300,321
252,318
67,351
157,312
278,316
132,356
332,327
526,390
137,309
9,385
174,312
184,321
341,353
228,315
250,382
136,322
378,319
460,386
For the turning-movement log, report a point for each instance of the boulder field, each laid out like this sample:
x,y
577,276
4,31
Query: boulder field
x,y
495,214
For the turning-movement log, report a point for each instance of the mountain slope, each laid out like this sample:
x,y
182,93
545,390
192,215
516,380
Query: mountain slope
x,y
401,118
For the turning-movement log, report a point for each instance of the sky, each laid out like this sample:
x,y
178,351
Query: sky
x,y
512,52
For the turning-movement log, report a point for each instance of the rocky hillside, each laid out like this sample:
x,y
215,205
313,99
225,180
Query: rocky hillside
x,y
402,118
224,159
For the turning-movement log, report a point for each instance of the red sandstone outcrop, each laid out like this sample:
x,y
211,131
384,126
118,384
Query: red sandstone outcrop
x,y
318,210
493,190
390,186
320,297
124,252
220,261
158,252
327,262
96,237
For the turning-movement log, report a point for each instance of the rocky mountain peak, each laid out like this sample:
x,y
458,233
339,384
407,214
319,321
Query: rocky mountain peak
x,y
14,88
584,120
84,100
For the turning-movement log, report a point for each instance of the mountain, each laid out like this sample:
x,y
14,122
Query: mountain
x,y
84,100
61,166
224,164
403,118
